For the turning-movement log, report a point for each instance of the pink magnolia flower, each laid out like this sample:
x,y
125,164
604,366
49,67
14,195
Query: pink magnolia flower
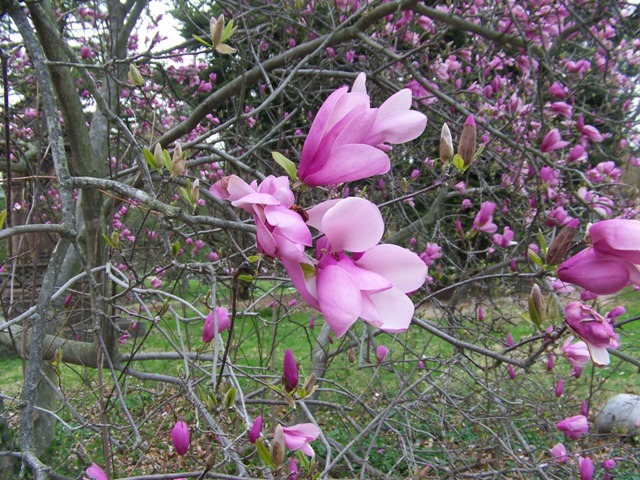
x,y
289,371
222,317
577,154
559,388
347,140
381,353
431,253
594,329
281,229
256,428
371,283
600,274
180,437
299,436
617,237
574,427
577,353
559,453
96,473
585,466
293,469
562,108
552,141
484,219
505,240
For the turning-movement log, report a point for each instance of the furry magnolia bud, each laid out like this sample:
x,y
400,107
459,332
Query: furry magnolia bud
x,y
446,144
467,145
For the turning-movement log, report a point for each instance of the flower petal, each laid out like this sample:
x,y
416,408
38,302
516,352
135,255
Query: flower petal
x,y
339,298
354,225
400,266
394,308
348,163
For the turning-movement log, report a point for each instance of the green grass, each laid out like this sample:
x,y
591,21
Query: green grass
x,y
263,334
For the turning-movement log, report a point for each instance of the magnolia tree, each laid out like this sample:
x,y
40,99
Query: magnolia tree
x,y
318,239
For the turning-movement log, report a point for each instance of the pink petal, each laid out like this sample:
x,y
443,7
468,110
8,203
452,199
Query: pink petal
x,y
359,85
339,298
354,225
289,224
617,237
307,431
396,103
599,355
401,267
397,128
366,280
395,309
317,213
348,163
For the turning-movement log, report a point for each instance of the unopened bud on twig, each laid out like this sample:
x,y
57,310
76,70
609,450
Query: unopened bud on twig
x,y
467,145
446,144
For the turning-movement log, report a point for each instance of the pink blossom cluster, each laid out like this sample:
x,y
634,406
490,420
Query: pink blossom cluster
x,y
350,275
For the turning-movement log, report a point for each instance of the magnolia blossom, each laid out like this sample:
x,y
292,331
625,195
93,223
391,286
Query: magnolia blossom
x,y
577,354
559,453
348,139
289,371
371,283
552,141
180,437
484,220
611,262
96,473
281,230
594,329
256,428
585,466
505,240
600,274
299,436
222,317
574,427
381,353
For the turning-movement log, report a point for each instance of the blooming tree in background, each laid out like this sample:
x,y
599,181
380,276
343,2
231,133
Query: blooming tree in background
x,y
200,226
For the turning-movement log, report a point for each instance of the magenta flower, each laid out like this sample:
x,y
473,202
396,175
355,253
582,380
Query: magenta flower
x,y
594,329
96,473
371,283
180,437
552,141
512,372
484,219
381,353
256,428
293,469
289,371
562,108
282,231
574,427
600,274
222,317
559,453
559,388
347,140
618,238
577,353
585,466
505,240
299,436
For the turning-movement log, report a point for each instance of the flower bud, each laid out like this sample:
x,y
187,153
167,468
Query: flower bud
x,y
277,446
217,27
180,437
134,75
381,353
352,355
467,145
446,144
158,155
559,388
536,306
560,245
195,192
289,372
256,428
178,163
